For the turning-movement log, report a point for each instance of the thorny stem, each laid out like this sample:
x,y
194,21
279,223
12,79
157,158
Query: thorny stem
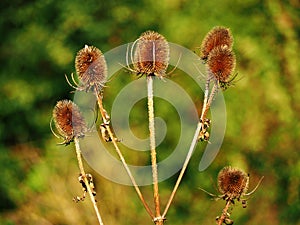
x,y
224,213
206,105
159,219
86,182
114,141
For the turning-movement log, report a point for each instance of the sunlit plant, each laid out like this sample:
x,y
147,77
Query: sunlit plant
x,y
149,56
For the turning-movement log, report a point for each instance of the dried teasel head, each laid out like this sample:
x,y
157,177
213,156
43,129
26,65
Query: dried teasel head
x,y
68,120
216,37
151,54
221,63
91,68
232,183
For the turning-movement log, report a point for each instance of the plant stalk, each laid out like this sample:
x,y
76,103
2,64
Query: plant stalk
x,y
185,164
206,92
114,141
224,213
152,149
206,105
208,101
86,182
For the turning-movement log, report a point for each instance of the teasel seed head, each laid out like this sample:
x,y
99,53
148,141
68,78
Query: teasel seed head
x,y
151,55
68,120
221,63
216,37
91,68
232,183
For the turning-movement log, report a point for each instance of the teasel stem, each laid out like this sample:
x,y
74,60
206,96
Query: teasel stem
x,y
224,213
153,150
206,92
206,105
208,101
185,164
86,182
114,141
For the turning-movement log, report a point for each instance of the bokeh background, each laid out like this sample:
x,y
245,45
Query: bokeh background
x,y
39,41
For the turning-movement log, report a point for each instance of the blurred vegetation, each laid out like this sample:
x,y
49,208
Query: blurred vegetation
x,y
39,40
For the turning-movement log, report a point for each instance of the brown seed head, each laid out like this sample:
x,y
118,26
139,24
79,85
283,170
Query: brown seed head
x,y
69,120
221,62
232,182
91,68
151,56
216,37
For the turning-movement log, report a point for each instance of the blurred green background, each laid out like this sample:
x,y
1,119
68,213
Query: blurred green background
x,y
39,41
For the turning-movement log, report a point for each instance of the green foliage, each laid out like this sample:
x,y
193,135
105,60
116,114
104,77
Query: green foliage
x,y
11,176
39,40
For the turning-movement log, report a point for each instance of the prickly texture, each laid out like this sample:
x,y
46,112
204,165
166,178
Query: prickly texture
x,y
216,37
91,68
69,120
232,182
221,62
151,55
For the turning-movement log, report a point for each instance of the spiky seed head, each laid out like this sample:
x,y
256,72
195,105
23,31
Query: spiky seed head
x,y
232,182
91,68
216,37
68,120
151,55
221,62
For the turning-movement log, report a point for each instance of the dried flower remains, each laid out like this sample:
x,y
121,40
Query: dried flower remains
x,y
84,187
69,121
91,69
221,62
150,55
216,37
232,183
217,53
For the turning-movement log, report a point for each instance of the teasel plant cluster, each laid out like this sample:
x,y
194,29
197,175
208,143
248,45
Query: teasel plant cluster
x,y
149,57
